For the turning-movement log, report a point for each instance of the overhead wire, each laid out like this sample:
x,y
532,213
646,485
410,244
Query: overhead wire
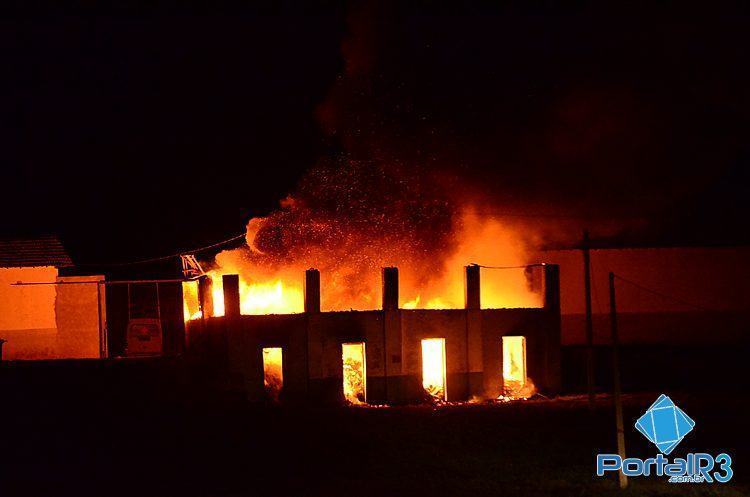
x,y
538,264
664,295
170,256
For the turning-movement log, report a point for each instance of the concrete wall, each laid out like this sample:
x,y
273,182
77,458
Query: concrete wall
x,y
51,321
706,287
311,342
79,317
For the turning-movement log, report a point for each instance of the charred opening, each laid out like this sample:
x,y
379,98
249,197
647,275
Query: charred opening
x,y
433,368
516,383
273,375
354,372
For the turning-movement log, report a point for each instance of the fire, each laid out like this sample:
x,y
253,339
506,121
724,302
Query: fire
x,y
190,303
355,372
436,303
480,240
516,383
270,297
433,367
349,219
350,276
273,375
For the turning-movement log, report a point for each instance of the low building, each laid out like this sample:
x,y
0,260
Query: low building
x,y
391,355
43,314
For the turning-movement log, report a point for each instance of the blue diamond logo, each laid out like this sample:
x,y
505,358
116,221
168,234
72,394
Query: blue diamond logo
x,y
664,424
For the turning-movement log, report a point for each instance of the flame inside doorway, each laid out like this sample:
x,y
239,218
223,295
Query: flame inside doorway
x,y
273,377
355,372
516,383
433,367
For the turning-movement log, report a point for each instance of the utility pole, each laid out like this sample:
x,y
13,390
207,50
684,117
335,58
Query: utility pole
x,y
589,321
616,377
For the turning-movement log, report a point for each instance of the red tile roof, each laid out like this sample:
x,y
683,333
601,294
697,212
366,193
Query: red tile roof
x,y
29,252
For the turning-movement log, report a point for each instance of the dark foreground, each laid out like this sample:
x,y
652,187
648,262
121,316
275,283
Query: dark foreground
x,y
143,430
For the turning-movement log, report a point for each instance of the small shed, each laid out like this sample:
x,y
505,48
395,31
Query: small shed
x,y
54,317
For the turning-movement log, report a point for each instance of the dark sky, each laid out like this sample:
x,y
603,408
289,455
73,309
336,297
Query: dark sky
x,y
136,131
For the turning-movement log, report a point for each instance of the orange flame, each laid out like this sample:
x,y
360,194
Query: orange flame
x,y
355,372
433,367
516,383
350,276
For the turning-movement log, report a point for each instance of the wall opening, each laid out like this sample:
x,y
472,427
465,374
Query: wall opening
x,y
355,372
273,376
433,367
191,308
515,379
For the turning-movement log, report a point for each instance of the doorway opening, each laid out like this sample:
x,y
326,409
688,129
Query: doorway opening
x,y
355,372
273,374
515,379
433,368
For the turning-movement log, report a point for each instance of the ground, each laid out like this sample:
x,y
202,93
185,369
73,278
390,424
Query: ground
x,y
117,430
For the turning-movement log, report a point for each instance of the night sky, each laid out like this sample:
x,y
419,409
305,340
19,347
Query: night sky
x,y
139,131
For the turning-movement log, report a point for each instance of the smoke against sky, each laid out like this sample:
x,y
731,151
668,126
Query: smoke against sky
x,y
592,112
181,128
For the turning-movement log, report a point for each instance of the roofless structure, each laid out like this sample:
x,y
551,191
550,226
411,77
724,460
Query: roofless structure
x,y
389,355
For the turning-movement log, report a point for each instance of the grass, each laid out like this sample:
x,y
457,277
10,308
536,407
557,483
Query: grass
x,y
153,437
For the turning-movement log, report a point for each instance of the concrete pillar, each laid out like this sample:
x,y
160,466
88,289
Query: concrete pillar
x,y
231,286
390,288
205,296
552,287
473,292
475,385
392,338
314,335
553,374
312,291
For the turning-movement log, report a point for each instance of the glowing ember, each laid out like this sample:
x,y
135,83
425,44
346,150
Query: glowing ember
x,y
270,288
433,367
355,372
273,377
350,219
435,303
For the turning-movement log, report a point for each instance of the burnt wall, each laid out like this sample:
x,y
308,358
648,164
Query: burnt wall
x,y
312,363
542,353
327,331
418,325
312,353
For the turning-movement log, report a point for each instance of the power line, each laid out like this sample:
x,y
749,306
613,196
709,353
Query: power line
x,y
664,295
171,256
539,264
550,215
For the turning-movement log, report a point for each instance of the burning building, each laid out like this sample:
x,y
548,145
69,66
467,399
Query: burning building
x,y
395,310
389,355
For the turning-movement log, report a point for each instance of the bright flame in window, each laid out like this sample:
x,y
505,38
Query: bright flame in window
x,y
272,297
433,367
516,384
273,377
190,303
355,372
